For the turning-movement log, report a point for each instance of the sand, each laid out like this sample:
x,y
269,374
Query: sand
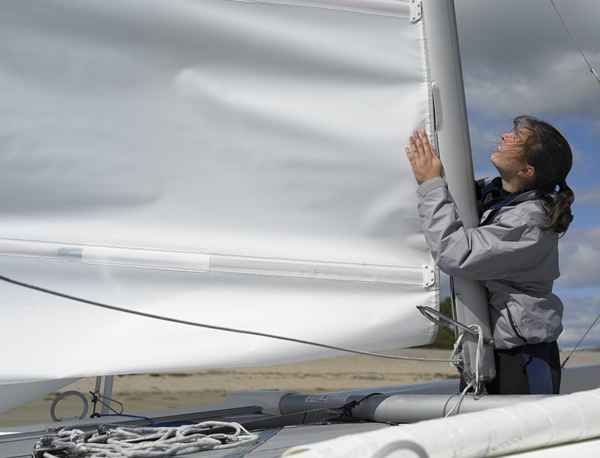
x,y
155,392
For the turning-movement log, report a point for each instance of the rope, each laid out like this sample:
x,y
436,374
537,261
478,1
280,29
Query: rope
x,y
213,327
580,341
572,37
143,442
67,443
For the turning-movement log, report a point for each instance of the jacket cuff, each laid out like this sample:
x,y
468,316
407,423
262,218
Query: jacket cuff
x,y
430,185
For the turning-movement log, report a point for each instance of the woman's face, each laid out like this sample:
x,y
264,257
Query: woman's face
x,y
508,157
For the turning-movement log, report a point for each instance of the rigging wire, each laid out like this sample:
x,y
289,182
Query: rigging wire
x,y
580,340
591,68
214,327
461,397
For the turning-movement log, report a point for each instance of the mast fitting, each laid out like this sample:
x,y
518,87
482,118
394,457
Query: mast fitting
x,y
416,10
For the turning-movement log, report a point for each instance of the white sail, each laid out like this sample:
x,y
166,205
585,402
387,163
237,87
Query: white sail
x,y
228,162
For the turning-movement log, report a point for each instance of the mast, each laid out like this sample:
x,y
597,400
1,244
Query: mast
x,y
454,146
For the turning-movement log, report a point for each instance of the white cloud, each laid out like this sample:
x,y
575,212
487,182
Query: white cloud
x,y
484,141
580,258
517,58
589,196
580,313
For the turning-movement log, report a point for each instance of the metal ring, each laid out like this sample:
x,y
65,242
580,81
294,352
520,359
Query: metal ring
x,y
65,394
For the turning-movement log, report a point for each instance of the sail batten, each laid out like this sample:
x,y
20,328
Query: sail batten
x,y
202,262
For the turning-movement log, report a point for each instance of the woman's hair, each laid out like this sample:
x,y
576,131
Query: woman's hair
x,y
550,154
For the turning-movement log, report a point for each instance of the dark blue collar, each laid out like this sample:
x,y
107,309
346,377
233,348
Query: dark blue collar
x,y
493,198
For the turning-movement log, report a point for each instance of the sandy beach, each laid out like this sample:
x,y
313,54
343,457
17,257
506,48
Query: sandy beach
x,y
152,392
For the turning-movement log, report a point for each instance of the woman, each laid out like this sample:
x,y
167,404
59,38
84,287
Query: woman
x,y
514,251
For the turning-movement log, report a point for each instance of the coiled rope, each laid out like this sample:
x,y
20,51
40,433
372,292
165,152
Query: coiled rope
x,y
143,442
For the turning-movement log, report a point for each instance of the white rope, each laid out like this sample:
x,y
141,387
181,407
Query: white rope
x,y
144,442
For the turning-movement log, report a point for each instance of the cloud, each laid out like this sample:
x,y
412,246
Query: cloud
x,y
580,258
589,196
512,91
517,58
484,140
580,313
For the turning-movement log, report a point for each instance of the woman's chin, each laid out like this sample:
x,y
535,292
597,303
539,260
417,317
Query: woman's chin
x,y
494,159
498,168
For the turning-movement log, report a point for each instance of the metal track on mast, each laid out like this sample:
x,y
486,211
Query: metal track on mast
x,y
451,128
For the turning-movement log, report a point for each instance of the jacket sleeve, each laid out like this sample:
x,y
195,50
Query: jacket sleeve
x,y
493,251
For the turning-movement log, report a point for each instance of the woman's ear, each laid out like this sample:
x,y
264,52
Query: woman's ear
x,y
528,171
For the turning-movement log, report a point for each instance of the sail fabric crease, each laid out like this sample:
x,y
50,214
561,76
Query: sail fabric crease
x,y
232,163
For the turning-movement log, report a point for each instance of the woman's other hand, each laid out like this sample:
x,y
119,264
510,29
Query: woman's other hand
x,y
423,160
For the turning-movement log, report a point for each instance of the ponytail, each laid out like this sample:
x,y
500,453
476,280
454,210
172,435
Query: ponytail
x,y
558,206
549,153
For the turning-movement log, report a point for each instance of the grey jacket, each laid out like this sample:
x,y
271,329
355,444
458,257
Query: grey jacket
x,y
514,258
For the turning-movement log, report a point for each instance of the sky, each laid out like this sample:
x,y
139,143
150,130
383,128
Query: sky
x,y
518,59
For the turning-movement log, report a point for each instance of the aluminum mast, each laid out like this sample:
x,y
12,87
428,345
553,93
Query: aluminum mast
x,y
452,132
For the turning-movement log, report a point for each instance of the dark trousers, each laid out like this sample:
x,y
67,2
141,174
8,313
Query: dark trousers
x,y
530,369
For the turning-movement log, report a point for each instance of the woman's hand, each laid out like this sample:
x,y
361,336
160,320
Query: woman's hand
x,y
424,161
